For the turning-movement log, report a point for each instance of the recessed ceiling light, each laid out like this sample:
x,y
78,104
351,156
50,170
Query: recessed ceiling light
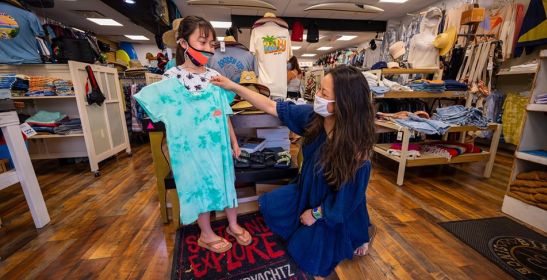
x,y
129,1
221,24
105,21
220,38
346,38
324,48
308,55
137,37
296,47
393,1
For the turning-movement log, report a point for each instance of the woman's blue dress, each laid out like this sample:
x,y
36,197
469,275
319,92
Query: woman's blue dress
x,y
317,249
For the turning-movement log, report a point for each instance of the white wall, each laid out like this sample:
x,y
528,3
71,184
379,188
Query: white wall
x,y
142,49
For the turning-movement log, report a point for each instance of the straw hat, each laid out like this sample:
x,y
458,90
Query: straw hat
x,y
445,41
397,49
135,67
169,38
248,79
270,17
393,64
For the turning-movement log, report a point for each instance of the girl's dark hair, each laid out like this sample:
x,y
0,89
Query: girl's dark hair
x,y
353,135
295,65
188,25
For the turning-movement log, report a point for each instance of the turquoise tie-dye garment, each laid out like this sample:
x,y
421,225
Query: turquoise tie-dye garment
x,y
198,141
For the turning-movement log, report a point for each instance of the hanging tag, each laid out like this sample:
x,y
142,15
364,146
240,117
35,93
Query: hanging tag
x,y
399,136
490,66
222,46
27,130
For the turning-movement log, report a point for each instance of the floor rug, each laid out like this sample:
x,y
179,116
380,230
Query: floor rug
x,y
265,258
518,250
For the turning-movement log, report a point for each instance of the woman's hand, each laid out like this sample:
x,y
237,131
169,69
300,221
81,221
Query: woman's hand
x,y
236,151
223,82
307,218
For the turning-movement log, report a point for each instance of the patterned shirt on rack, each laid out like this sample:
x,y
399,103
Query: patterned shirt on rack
x,y
192,81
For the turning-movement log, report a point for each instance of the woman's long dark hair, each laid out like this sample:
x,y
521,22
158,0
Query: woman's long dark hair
x,y
353,135
294,63
187,27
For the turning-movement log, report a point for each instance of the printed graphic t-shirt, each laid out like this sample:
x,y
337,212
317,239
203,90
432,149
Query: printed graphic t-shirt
x,y
198,142
232,62
271,44
18,31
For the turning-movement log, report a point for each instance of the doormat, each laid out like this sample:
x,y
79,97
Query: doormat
x,y
519,251
265,258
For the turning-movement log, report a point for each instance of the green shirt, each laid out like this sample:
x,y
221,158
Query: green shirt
x,y
198,141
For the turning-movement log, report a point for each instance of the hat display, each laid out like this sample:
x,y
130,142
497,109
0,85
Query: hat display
x,y
393,64
248,78
397,49
445,41
150,56
379,65
270,17
135,67
169,38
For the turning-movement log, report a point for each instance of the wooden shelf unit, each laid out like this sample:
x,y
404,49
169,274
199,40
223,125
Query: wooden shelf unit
x,y
104,128
516,72
403,160
533,137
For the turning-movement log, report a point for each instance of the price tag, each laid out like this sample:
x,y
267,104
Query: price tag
x,y
222,46
27,130
399,136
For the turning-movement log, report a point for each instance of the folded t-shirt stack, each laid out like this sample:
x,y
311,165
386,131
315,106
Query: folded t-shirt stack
x,y
449,149
460,115
6,80
530,187
41,86
427,85
541,98
453,85
45,121
20,86
63,87
69,126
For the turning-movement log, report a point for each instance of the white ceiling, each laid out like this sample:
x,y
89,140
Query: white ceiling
x,y
64,12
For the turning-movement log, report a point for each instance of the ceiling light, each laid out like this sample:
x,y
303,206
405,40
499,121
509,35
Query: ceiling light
x,y
345,7
346,38
105,21
239,4
296,47
221,24
137,37
324,48
393,1
308,55
220,38
129,1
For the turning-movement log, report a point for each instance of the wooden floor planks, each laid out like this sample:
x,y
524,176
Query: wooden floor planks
x,y
109,227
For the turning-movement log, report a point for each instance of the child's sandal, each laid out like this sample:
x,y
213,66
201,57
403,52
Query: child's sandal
x,y
210,245
239,237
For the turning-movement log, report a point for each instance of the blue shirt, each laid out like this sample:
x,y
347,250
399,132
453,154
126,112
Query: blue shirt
x,y
198,141
18,31
232,62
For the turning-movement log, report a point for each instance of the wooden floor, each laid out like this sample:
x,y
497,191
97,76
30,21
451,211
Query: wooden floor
x,y
110,228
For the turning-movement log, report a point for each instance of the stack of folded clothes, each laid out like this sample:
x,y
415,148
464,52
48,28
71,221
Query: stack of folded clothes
x,y
530,187
63,87
460,115
427,85
453,85
41,86
46,122
69,126
449,149
20,86
6,80
413,150
423,125
379,91
541,99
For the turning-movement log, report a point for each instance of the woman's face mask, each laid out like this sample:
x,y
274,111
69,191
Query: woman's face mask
x,y
320,106
198,58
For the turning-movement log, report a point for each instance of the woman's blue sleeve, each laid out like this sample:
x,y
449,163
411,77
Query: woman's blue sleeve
x,y
295,117
338,205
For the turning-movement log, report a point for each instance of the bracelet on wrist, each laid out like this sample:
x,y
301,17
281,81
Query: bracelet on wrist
x,y
316,213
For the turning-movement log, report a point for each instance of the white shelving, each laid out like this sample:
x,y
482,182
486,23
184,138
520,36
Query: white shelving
x,y
104,128
533,137
517,72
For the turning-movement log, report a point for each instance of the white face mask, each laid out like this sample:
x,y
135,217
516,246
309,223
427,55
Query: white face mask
x,y
320,106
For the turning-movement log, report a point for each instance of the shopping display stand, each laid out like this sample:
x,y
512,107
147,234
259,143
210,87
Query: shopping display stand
x,y
533,137
405,161
104,128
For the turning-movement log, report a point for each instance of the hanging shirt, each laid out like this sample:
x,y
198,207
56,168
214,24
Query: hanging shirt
x,y
232,62
371,57
199,144
271,44
18,31
422,53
